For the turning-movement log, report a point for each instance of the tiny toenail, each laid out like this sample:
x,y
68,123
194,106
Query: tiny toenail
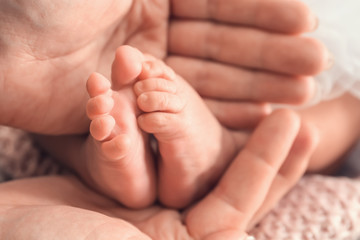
x,y
109,93
146,66
140,86
107,84
144,98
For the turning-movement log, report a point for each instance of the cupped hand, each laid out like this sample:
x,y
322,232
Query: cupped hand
x,y
233,52
272,161
35,210
49,49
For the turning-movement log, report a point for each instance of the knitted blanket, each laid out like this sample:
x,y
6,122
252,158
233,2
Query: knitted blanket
x,y
317,208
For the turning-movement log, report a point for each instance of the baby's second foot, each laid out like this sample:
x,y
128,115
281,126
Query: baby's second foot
x,y
194,148
118,157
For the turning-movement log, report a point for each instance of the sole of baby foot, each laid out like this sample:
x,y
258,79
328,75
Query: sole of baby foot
x,y
194,148
119,159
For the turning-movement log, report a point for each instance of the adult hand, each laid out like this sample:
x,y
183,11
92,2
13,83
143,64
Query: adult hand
x,y
241,197
272,161
58,222
35,210
49,49
232,51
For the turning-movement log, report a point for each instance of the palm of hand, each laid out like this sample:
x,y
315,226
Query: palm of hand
x,y
157,222
154,223
58,45
84,215
56,56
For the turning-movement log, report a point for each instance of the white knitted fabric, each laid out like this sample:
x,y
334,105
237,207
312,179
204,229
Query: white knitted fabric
x,y
317,208
339,24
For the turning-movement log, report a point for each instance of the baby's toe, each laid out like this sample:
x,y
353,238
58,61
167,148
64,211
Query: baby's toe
x,y
102,127
161,123
160,101
97,84
127,66
154,84
116,148
99,105
156,68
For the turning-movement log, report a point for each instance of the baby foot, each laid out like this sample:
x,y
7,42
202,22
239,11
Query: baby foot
x,y
194,148
119,159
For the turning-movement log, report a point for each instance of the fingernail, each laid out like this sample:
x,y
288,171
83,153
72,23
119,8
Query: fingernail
x,y
330,61
268,108
314,20
316,23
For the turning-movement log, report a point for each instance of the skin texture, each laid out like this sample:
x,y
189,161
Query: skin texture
x,y
57,53
88,215
194,149
236,64
344,112
40,81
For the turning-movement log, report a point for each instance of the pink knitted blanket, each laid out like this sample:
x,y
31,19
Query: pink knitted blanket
x,y
317,208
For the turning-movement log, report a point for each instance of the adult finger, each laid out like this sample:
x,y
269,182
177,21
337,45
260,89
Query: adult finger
x,y
286,16
226,82
244,186
238,115
248,47
291,171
